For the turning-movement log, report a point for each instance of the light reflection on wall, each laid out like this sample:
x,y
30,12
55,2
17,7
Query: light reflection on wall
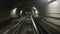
x,y
53,9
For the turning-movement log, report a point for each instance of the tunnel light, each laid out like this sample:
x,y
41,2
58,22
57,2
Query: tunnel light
x,y
34,8
21,12
49,0
36,11
13,12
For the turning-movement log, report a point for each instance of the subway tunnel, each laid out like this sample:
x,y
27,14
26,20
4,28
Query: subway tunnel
x,y
29,16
